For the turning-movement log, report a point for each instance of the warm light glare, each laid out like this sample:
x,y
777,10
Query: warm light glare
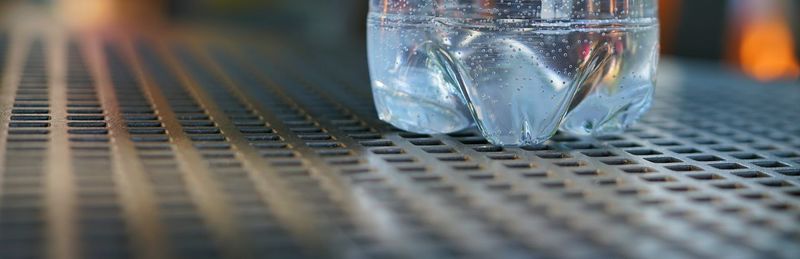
x,y
767,51
87,13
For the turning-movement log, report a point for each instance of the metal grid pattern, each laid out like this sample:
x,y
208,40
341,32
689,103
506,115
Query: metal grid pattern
x,y
113,147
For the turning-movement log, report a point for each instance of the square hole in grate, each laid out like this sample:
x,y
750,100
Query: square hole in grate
x,y
743,139
704,198
388,151
214,137
764,147
30,117
146,131
781,206
439,150
292,123
503,156
85,117
461,134
732,209
652,201
618,161
345,122
355,170
88,131
789,172
705,176
306,130
216,155
84,111
705,141
30,111
658,178
343,161
728,166
145,124
599,153
754,196
325,144
467,167
426,142
481,177
541,147
28,131
750,174
683,168
770,164
334,152
254,126
705,158
570,163
519,165
643,152
277,153
263,130
488,148
625,144
638,170
590,172
377,143
535,174
270,145
746,156
776,183
725,149
554,155
411,169
795,193
455,158
609,138
31,105
410,135
786,154
729,186
364,136
29,124
665,143
606,182
155,138
399,159
553,184
499,186
580,145
663,159
628,191
191,124
680,188
647,135
686,134
474,141
685,150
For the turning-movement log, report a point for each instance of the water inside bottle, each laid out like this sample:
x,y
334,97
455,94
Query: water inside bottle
x,y
518,80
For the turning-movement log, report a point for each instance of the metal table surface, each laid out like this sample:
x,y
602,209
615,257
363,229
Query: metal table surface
x,y
118,146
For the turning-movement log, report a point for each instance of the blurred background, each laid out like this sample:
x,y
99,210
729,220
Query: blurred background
x,y
759,37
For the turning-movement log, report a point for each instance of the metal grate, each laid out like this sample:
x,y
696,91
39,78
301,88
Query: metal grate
x,y
155,148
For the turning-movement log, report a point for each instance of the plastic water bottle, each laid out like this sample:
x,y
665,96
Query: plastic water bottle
x,y
518,69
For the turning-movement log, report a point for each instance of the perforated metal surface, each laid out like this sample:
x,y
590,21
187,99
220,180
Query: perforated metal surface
x,y
115,147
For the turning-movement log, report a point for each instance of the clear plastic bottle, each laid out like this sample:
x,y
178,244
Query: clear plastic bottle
x,y
518,69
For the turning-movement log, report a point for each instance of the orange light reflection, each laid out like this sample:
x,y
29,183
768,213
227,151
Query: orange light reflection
x,y
767,50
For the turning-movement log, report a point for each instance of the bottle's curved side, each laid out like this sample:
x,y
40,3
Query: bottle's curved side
x,y
413,90
624,94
